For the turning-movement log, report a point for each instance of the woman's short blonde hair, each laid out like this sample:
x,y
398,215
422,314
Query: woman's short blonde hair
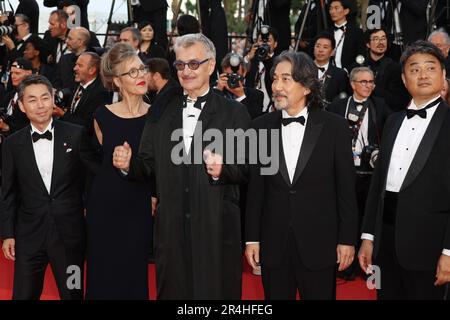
x,y
111,61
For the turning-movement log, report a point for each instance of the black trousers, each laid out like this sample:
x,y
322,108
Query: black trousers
x,y
398,283
282,283
29,269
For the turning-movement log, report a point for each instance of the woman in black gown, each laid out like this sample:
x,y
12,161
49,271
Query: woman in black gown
x,y
149,46
119,225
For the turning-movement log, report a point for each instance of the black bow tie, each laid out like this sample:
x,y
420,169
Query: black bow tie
x,y
286,121
197,102
322,69
336,28
46,135
421,112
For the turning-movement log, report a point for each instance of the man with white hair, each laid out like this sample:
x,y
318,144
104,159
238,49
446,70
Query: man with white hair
x,y
197,235
441,39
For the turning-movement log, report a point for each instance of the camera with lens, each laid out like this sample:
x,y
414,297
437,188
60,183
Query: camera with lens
x,y
263,49
234,78
7,27
369,157
61,98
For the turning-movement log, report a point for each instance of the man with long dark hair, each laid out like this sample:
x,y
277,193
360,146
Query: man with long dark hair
x,y
302,219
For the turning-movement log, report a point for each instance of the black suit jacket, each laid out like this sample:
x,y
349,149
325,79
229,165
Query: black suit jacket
x,y
94,96
253,100
252,74
319,206
17,120
152,5
336,82
353,45
378,113
64,74
27,209
423,210
413,19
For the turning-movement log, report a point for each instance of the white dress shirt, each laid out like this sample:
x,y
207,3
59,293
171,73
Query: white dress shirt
x,y
405,147
338,34
190,119
43,152
292,138
10,109
321,73
84,86
262,85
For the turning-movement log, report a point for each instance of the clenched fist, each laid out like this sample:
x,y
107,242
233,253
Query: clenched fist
x,y
122,157
213,163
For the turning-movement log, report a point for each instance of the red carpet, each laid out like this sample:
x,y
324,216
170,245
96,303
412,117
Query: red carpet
x,y
251,285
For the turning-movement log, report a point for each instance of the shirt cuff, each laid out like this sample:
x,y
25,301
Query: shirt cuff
x,y
367,236
252,242
125,173
215,179
241,98
446,252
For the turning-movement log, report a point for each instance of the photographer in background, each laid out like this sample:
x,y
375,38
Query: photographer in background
x,y
366,115
12,118
231,84
261,57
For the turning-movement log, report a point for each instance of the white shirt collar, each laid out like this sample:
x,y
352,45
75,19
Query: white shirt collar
x,y
88,83
325,66
304,113
359,101
49,128
26,37
342,25
413,105
199,95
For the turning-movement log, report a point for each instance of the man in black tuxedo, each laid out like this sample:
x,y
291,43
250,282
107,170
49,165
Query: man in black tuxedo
x,y
42,218
303,218
389,85
154,11
17,47
406,226
82,4
334,80
159,79
349,38
89,94
366,115
56,35
258,76
250,97
197,223
441,39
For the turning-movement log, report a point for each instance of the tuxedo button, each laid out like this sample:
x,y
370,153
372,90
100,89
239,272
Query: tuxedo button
x,y
292,191
186,190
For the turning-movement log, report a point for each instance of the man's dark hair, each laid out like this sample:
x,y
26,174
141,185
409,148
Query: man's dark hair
x,y
94,61
423,47
370,32
66,3
326,35
345,3
303,71
33,79
39,45
159,65
187,24
62,15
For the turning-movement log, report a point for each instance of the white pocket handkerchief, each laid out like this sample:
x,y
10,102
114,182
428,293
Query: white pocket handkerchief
x,y
68,150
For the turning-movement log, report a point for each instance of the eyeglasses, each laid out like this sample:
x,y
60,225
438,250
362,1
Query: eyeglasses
x,y
18,25
365,82
193,64
134,73
376,39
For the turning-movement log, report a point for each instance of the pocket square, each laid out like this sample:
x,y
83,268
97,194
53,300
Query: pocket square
x,y
68,150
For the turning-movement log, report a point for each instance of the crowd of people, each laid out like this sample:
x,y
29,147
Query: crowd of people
x,y
106,157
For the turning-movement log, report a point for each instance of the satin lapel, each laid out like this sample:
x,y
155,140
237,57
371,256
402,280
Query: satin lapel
x,y
276,124
59,150
427,143
27,145
312,133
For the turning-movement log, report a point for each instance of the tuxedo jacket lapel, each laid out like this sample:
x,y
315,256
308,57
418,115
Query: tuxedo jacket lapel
x,y
59,136
276,125
27,145
427,143
312,133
